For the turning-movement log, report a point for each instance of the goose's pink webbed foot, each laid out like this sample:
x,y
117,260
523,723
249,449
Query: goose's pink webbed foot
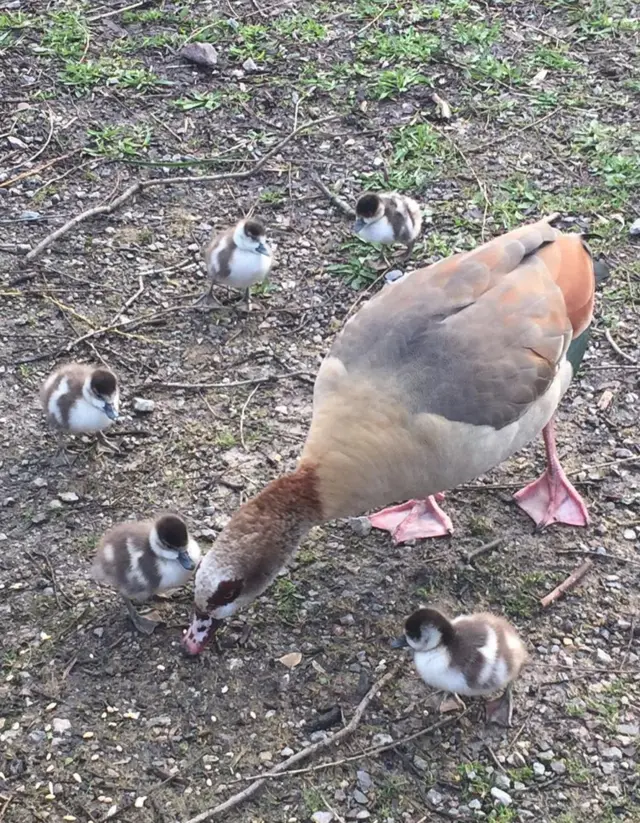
x,y
551,498
414,519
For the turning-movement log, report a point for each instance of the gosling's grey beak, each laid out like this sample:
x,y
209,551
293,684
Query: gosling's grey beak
x,y
399,642
262,249
185,560
111,413
358,225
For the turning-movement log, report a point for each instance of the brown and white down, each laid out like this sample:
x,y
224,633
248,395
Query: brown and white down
x,y
142,559
238,258
388,218
473,654
437,379
80,399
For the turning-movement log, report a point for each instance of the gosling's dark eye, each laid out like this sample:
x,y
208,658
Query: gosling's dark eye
x,y
227,597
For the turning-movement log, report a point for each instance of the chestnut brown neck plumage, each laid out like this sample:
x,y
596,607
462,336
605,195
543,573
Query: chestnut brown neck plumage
x,y
279,517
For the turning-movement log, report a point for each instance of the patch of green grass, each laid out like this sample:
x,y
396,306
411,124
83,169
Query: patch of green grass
x,y
391,83
287,599
355,266
613,154
273,197
83,77
475,780
417,152
161,40
210,101
485,68
523,774
11,25
577,771
522,600
147,16
410,46
251,43
502,814
476,33
555,58
65,35
225,439
301,28
116,142
602,20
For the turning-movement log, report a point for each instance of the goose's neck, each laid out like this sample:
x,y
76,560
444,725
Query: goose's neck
x,y
285,510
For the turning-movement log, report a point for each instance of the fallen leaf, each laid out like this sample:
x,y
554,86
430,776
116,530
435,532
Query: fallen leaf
x,y
291,660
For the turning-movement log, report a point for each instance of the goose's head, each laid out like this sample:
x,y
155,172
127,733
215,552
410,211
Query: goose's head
x,y
424,630
249,552
101,391
169,540
369,208
251,235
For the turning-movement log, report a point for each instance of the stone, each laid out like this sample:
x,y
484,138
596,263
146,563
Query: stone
x,y
250,65
202,54
629,534
603,657
538,768
61,725
381,739
360,526
475,805
629,729
420,763
503,798
37,736
434,797
322,817
291,660
502,781
142,405
364,780
612,753
546,757
286,752
608,768
558,767
360,798
265,756
68,497
634,228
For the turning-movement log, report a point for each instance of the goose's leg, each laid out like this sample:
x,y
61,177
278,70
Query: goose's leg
x,y
451,702
207,300
500,711
551,498
414,519
142,624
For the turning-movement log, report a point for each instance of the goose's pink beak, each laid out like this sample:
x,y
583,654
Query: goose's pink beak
x,y
199,634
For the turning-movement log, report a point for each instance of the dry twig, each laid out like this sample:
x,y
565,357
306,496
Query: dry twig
x,y
303,754
493,544
306,377
142,185
338,202
617,348
568,584
243,413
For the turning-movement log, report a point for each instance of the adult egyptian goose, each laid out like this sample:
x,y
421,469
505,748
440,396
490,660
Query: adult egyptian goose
x,y
238,258
143,558
473,654
437,379
388,218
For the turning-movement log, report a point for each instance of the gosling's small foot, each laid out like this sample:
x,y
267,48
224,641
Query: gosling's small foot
x,y
500,711
414,519
102,439
143,624
207,302
451,703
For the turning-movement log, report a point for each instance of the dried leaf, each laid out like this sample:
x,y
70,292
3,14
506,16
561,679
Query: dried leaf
x,y
291,660
443,109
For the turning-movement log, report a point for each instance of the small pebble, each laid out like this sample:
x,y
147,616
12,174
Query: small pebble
x,y
475,804
381,739
538,769
60,725
558,767
603,657
629,534
361,526
142,406
434,797
629,729
502,797
612,753
364,780
322,817
634,228
68,497
502,781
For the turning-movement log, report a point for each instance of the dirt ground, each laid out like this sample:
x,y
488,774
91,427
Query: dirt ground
x,y
98,723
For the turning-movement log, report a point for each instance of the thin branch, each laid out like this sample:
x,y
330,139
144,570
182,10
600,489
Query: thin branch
x,y
131,300
617,348
338,202
303,754
568,584
243,413
471,556
142,185
116,11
